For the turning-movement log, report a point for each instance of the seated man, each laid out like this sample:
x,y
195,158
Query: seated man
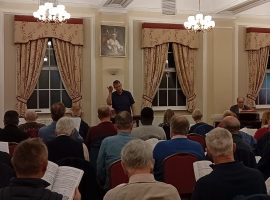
x,y
47,133
97,133
11,132
229,178
178,144
111,147
239,106
76,113
31,127
64,146
147,130
30,163
243,151
137,162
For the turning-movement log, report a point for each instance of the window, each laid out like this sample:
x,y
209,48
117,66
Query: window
x,y
49,88
264,94
169,93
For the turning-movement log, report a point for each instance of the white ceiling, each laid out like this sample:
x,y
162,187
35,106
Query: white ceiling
x,y
258,7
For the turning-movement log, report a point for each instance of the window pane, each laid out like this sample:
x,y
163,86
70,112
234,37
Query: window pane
x,y
155,100
264,83
162,98
181,98
66,99
170,48
172,98
55,96
44,99
32,101
44,79
267,80
268,96
163,83
55,79
262,97
171,60
52,58
172,80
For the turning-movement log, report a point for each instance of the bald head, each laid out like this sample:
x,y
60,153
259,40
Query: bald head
x,y
231,123
179,125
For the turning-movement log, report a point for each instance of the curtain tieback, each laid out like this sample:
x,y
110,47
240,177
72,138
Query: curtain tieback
x,y
76,98
251,96
147,98
191,98
21,99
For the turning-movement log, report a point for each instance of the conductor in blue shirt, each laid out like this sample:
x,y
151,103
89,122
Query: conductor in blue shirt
x,y
120,100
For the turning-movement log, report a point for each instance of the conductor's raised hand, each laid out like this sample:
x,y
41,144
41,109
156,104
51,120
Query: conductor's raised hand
x,y
110,88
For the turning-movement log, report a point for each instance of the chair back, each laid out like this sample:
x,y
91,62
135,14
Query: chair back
x,y
197,138
12,146
116,174
178,171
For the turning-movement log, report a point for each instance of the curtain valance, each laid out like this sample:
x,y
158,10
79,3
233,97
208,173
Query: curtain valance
x,y
157,34
257,38
27,29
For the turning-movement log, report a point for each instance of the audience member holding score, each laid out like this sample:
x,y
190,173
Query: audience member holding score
x,y
30,162
229,178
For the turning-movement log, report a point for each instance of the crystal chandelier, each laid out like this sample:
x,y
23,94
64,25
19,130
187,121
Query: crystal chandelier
x,y
51,11
199,23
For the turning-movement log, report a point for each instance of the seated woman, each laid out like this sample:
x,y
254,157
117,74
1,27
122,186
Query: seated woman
x,y
64,146
168,114
265,126
31,127
199,127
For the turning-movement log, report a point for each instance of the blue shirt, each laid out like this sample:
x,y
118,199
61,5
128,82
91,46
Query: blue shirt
x,y
109,152
47,133
122,102
178,145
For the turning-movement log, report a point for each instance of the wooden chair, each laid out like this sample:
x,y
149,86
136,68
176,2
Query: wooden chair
x,y
116,174
197,138
178,171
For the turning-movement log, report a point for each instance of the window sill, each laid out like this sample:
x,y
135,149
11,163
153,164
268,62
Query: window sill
x,y
262,106
163,108
47,111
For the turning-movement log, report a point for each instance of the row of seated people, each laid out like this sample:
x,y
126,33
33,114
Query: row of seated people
x,y
111,146
229,178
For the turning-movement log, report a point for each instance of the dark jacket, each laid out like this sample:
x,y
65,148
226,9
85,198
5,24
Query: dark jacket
x,y
64,147
243,152
11,133
228,180
26,189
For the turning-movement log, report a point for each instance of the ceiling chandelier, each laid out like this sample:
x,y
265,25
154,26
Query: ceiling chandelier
x,y
199,23
51,11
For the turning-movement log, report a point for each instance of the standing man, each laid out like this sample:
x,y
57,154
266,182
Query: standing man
x,y
120,100
239,106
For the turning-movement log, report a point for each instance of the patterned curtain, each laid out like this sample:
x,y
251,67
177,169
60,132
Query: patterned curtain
x,y
69,61
154,65
257,63
184,58
29,63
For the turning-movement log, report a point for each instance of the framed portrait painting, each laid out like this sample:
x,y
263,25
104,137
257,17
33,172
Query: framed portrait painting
x,y
113,41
